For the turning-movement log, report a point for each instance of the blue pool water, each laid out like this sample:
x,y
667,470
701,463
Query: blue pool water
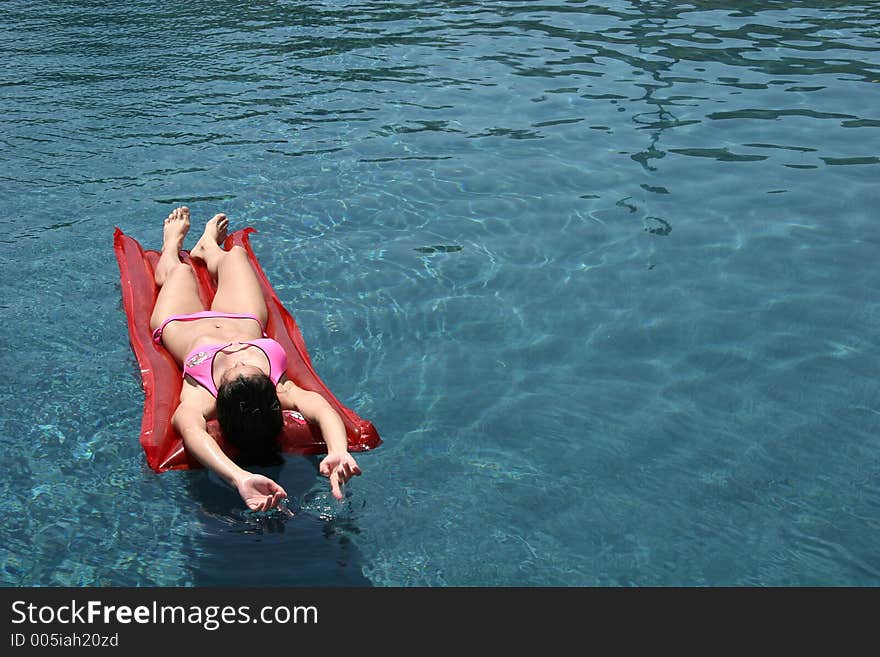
x,y
603,275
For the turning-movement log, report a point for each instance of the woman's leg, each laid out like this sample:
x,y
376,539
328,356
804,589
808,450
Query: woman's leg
x,y
238,288
179,293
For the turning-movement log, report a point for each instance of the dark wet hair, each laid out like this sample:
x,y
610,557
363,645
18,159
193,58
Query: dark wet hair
x,y
249,415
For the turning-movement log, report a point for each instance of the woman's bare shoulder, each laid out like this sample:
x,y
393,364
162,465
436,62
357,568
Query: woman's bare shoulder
x,y
197,398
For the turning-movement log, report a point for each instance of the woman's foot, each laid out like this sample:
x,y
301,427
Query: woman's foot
x,y
208,247
214,235
176,228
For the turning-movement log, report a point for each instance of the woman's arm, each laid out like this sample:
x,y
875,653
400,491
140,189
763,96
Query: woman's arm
x,y
258,492
338,465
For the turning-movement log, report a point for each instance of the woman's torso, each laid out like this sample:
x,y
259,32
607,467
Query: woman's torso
x,y
182,338
208,347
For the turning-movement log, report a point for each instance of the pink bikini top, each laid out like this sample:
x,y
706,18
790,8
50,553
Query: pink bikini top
x,y
199,363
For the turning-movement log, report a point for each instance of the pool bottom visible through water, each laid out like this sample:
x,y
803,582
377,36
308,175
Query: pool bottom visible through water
x,y
601,277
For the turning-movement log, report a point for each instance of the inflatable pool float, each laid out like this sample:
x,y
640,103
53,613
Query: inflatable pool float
x,y
162,378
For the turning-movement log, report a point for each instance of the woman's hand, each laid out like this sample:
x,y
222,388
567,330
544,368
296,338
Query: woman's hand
x,y
340,467
260,493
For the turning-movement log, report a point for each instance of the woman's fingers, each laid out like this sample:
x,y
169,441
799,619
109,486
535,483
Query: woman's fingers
x,y
335,484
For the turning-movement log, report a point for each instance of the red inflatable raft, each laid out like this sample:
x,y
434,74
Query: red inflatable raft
x,y
162,378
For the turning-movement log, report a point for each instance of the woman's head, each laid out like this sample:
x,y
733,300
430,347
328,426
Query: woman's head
x,y
249,415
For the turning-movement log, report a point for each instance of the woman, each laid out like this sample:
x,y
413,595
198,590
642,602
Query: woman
x,y
231,370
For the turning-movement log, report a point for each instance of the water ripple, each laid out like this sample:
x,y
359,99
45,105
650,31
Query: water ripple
x,y
614,254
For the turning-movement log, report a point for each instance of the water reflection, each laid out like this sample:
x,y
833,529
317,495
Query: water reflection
x,y
306,542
